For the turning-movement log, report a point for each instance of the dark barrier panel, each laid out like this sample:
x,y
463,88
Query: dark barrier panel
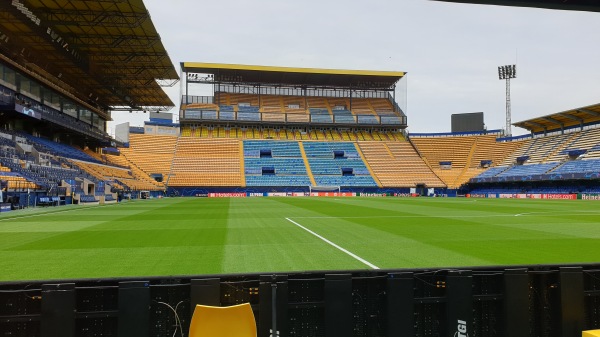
x,y
134,305
459,310
483,302
58,310
338,305
400,304
516,303
571,301
205,292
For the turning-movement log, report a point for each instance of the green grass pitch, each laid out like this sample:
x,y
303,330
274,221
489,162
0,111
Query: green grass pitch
x,y
191,236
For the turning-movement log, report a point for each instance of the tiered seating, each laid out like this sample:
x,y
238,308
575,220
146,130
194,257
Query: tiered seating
x,y
294,104
139,179
365,114
286,134
526,145
236,99
492,172
546,147
202,110
320,115
186,131
123,176
272,108
206,162
140,185
56,175
485,148
104,172
298,109
527,170
343,116
488,149
58,149
152,154
381,106
286,159
44,176
94,155
395,136
248,113
579,166
226,112
456,150
15,180
584,140
327,169
540,149
397,164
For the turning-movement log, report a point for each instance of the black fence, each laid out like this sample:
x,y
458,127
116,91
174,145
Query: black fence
x,y
491,301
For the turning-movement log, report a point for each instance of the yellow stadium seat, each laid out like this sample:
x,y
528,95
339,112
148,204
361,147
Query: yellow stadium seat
x,y
233,321
590,333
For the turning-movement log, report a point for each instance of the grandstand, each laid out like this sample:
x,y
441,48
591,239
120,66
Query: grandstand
x,y
206,162
560,152
56,98
456,158
334,135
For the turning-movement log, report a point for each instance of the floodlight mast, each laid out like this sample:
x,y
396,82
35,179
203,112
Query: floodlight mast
x,y
506,73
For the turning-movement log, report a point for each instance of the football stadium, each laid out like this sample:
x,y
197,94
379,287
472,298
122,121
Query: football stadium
x,y
285,201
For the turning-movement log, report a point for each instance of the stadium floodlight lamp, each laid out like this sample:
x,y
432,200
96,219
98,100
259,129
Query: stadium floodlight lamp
x,y
507,73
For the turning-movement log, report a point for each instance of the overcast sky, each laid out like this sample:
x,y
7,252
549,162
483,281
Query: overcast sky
x,y
450,51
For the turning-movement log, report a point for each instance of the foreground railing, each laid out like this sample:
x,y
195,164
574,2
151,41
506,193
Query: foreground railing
x,y
483,301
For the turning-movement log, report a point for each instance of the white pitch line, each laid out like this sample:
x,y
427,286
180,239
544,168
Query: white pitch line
x,y
335,245
460,216
16,217
79,208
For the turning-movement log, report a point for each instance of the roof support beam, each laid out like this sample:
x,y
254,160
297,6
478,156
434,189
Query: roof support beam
x,y
112,41
571,117
589,112
535,124
554,121
84,18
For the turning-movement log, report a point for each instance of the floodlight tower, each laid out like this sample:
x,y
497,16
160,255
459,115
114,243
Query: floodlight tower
x,y
506,73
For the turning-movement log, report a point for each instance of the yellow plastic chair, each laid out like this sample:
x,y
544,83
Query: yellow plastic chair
x,y
590,333
233,321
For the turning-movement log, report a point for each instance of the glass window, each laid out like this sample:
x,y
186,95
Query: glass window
x,y
9,76
95,119
35,90
70,108
52,99
85,116
24,84
101,124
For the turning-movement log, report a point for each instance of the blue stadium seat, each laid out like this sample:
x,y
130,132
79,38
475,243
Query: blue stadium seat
x,y
285,158
492,172
327,168
579,166
527,170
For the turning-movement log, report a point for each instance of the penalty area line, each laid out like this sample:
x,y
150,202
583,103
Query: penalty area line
x,y
372,266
